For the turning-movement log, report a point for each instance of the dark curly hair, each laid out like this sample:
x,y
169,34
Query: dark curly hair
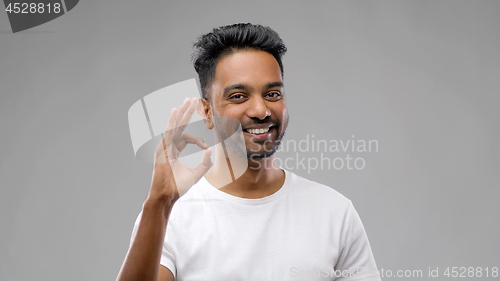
x,y
224,40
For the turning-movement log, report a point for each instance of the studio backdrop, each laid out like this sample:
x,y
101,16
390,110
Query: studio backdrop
x,y
394,104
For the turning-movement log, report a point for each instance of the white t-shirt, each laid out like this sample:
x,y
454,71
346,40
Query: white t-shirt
x,y
304,231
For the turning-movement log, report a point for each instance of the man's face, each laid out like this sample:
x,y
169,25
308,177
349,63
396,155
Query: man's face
x,y
249,87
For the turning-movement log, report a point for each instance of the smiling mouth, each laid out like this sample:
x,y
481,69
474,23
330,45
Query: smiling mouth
x,y
259,131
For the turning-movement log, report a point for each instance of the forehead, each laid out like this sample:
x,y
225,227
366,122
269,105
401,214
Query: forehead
x,y
256,68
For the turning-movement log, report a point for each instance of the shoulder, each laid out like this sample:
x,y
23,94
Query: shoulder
x,y
196,192
192,204
317,193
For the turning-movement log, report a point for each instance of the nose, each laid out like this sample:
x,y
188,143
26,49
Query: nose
x,y
258,109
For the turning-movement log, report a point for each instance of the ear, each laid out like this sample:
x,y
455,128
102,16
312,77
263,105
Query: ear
x,y
205,111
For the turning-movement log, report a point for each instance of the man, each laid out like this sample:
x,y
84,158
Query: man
x,y
267,224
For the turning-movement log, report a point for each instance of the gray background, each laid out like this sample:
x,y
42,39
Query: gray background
x,y
421,77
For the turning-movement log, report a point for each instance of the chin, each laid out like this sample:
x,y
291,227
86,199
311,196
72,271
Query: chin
x,y
252,155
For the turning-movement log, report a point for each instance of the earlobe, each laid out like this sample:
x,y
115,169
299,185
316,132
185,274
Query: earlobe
x,y
205,112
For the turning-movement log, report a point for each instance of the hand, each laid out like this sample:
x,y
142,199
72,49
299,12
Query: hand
x,y
171,179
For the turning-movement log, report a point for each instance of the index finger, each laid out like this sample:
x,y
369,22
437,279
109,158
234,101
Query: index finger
x,y
185,119
167,136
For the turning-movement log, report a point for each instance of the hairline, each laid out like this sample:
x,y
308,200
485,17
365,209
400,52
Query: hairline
x,y
229,51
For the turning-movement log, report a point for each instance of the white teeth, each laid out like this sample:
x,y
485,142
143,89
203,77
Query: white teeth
x,y
258,131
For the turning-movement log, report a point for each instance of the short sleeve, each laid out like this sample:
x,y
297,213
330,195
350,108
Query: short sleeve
x,y
167,258
356,261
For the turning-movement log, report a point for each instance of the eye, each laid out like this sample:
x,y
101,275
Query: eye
x,y
236,97
274,95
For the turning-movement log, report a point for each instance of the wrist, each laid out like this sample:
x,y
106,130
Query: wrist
x,y
163,205
159,201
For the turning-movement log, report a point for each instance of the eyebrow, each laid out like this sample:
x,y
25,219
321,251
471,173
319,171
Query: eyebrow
x,y
272,85
241,86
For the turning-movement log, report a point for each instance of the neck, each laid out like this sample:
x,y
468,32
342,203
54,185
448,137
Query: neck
x,y
253,179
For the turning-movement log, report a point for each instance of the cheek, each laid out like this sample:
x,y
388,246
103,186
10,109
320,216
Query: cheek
x,y
285,112
233,111
281,112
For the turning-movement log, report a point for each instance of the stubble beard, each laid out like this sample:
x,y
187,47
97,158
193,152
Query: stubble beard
x,y
240,149
264,152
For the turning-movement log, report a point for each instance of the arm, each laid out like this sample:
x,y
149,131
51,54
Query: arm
x,y
170,181
143,258
356,255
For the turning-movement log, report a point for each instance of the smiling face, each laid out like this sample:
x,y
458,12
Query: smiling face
x,y
248,86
